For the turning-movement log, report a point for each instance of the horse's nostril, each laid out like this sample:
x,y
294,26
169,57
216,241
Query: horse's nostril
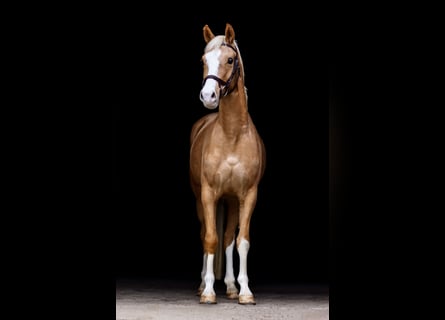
x,y
213,95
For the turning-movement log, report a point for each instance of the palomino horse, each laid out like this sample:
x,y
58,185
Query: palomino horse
x,y
227,161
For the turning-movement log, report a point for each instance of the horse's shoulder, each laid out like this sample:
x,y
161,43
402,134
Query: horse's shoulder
x,y
203,122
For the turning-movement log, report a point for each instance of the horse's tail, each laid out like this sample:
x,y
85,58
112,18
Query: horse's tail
x,y
219,254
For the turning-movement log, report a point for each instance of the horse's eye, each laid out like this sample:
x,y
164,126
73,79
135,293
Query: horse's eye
x,y
230,60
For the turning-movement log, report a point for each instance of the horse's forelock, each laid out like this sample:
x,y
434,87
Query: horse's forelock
x,y
214,43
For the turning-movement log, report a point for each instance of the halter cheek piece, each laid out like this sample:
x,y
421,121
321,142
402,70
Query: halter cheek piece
x,y
224,85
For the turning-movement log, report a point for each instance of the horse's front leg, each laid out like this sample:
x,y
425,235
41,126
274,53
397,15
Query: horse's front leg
x,y
203,274
202,235
210,243
243,244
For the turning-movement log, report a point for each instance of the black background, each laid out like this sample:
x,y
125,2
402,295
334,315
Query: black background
x,y
364,133
154,74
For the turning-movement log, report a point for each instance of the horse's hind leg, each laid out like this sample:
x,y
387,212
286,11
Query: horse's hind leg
x,y
229,243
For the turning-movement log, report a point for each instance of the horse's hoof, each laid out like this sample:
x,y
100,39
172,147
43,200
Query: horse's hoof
x,y
246,300
208,299
232,295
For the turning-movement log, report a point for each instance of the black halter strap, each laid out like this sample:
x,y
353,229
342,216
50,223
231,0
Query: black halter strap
x,y
225,85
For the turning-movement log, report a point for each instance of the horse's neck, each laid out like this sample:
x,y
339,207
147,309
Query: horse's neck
x,y
233,115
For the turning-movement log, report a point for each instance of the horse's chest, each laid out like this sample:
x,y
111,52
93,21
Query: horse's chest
x,y
227,172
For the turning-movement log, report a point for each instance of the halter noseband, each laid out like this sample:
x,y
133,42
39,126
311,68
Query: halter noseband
x,y
224,85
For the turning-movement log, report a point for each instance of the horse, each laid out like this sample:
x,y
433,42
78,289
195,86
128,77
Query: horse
x,y
227,163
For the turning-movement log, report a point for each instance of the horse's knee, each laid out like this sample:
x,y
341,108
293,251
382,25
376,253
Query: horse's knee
x,y
210,242
242,245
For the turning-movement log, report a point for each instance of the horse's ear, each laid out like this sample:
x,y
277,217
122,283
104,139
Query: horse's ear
x,y
208,34
230,33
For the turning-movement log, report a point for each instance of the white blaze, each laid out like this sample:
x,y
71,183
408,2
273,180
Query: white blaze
x,y
208,91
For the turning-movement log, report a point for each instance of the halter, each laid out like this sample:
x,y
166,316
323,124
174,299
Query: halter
x,y
224,85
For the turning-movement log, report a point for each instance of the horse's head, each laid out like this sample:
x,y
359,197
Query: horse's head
x,y
221,62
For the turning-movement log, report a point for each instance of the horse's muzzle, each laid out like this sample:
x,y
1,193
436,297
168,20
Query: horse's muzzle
x,y
209,96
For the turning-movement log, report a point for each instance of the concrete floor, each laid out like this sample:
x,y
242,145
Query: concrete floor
x,y
166,299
